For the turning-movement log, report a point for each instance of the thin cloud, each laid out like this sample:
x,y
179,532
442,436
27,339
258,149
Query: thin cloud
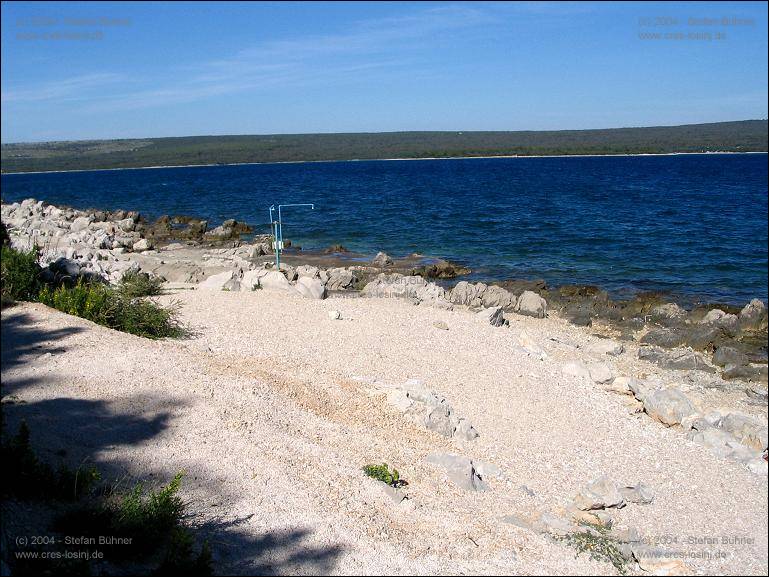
x,y
377,48
74,88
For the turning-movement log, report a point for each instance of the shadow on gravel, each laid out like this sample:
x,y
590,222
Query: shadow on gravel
x,y
22,342
82,432
288,552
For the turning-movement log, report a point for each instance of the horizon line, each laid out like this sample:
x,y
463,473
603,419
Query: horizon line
x,y
384,132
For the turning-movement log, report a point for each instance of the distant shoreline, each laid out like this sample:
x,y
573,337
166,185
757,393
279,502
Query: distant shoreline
x,y
519,156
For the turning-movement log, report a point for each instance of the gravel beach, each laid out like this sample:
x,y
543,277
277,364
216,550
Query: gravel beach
x,y
273,407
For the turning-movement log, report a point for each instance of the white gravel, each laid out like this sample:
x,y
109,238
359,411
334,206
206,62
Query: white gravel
x,y
271,411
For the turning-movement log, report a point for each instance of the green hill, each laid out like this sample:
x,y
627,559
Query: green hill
x,y
741,136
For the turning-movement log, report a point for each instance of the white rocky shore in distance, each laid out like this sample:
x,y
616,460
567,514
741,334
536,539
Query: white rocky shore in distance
x,y
512,425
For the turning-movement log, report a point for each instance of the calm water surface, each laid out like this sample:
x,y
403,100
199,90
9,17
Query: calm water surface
x,y
693,225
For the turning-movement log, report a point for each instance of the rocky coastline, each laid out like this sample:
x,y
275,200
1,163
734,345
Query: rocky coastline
x,y
102,244
697,376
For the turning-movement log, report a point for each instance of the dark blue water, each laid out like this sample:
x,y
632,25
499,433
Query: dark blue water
x,y
695,226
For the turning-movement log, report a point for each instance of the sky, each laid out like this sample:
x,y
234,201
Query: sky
x,y
94,70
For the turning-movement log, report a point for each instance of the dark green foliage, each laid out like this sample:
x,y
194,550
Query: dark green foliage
x,y
150,517
385,474
19,275
109,307
4,238
740,136
139,284
28,478
596,542
151,526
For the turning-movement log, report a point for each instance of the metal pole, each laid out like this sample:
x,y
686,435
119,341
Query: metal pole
x,y
278,229
275,245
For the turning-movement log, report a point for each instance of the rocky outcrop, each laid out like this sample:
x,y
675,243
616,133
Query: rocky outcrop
x,y
677,359
753,316
460,470
425,407
668,406
531,304
382,259
310,288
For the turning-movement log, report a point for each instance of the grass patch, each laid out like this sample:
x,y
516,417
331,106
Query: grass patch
x,y
19,275
385,474
139,284
598,544
109,307
27,477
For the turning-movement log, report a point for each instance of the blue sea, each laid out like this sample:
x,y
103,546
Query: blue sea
x,y
694,226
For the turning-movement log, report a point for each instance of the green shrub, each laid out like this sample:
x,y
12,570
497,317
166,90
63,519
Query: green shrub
x,y
150,516
139,284
109,307
27,477
19,275
599,545
385,474
150,524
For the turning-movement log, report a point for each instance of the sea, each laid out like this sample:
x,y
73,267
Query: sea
x,y
693,226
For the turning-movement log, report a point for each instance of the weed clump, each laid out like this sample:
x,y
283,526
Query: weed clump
x,y
599,545
136,284
385,474
109,307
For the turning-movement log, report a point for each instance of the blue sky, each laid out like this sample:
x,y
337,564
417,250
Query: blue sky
x,y
74,70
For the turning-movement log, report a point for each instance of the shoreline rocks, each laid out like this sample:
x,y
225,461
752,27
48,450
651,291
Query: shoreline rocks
x,y
104,244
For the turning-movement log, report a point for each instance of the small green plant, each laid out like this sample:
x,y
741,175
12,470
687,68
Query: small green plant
x,y
385,474
150,525
153,515
136,284
107,306
19,275
596,542
30,478
257,287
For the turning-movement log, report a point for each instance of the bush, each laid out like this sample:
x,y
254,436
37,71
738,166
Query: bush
x,y
109,307
385,474
19,275
599,545
151,526
29,478
139,284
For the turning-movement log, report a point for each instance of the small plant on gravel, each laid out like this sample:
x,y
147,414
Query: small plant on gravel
x,y
596,542
136,284
385,474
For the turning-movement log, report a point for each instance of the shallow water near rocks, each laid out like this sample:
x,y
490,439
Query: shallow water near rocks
x,y
694,226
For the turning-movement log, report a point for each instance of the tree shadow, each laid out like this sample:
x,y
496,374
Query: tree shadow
x,y
78,431
23,342
287,552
